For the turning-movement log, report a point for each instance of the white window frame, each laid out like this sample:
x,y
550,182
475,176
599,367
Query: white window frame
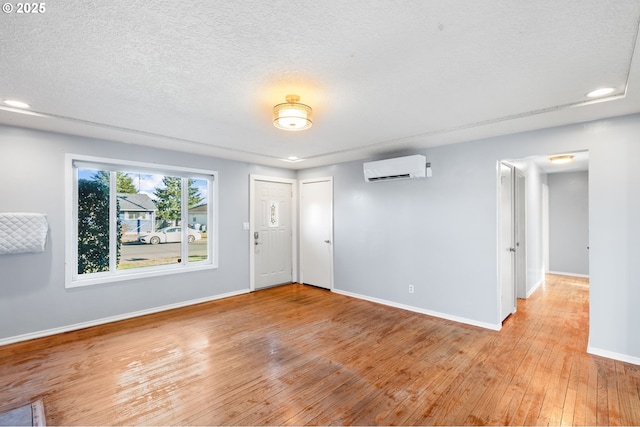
x,y
73,279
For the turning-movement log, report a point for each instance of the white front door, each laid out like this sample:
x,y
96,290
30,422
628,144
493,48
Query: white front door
x,y
507,242
316,232
272,233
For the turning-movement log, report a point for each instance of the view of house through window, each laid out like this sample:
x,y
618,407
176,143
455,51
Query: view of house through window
x,y
135,220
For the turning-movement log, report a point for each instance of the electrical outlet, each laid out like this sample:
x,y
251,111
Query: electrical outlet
x,y
411,289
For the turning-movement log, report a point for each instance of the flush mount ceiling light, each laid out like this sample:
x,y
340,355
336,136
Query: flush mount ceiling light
x,y
292,115
15,103
601,92
292,159
560,160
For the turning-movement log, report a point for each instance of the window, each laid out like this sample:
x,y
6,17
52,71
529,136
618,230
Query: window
x,y
138,215
128,219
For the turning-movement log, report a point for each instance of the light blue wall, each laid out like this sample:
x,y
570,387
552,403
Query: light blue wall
x,y
440,234
569,223
33,297
614,222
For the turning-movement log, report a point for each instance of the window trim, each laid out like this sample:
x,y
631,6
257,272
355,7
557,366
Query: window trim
x,y
73,280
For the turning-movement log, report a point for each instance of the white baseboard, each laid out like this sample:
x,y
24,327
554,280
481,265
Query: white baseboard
x,y
491,326
535,288
564,273
612,355
104,320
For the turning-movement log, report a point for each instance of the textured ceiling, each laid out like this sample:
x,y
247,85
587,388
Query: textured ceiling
x,y
381,76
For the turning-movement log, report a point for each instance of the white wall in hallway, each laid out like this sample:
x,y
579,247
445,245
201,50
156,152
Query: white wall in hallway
x,y
569,223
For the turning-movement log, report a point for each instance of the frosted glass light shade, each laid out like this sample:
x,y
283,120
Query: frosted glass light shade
x,y
292,115
560,160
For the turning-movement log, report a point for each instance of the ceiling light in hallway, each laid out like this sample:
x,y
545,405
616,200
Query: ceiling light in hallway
x,y
560,160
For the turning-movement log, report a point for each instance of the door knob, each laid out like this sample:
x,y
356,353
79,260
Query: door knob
x,y
512,249
327,241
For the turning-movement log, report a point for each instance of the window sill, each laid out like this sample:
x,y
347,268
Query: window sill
x,y
128,275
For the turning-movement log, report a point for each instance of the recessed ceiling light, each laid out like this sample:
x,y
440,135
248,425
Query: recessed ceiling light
x,y
562,159
292,159
601,92
15,103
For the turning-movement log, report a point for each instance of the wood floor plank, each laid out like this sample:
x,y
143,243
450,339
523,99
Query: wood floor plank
x,y
396,390
579,383
444,384
628,379
613,400
517,407
298,355
602,397
591,398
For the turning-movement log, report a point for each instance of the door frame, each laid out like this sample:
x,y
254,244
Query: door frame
x,y
545,231
309,181
294,225
499,247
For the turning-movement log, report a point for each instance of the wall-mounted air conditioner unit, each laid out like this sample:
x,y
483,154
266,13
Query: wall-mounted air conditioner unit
x,y
399,168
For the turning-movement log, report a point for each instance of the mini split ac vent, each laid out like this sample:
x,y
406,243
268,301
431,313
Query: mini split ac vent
x,y
408,167
389,178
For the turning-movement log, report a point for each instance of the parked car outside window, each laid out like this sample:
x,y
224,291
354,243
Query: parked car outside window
x,y
169,235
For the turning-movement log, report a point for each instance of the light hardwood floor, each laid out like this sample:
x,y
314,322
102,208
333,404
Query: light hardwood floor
x,y
300,355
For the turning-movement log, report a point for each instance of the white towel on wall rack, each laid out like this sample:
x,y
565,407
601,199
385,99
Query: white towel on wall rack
x,y
22,232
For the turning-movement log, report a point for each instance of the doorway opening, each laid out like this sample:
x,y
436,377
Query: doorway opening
x,y
544,209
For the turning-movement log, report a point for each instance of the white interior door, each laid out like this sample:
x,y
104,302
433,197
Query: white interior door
x,y
507,241
316,232
272,233
521,234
